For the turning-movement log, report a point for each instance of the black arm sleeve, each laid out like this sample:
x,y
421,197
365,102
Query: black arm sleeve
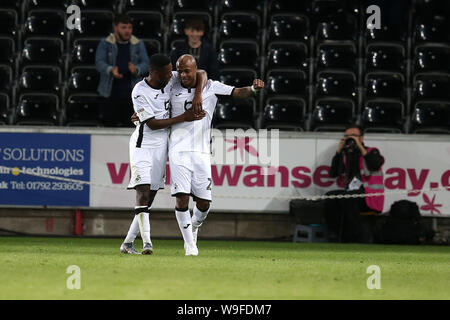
x,y
337,166
374,160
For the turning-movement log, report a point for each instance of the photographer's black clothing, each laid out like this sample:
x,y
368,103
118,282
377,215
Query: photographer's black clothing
x,y
343,215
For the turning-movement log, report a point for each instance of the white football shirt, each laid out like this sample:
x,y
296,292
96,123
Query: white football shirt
x,y
151,103
196,135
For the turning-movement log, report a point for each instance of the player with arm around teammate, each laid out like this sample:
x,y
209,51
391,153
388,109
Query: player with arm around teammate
x,y
190,150
148,143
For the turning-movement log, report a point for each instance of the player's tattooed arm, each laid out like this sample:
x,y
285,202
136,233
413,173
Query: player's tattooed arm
x,y
188,115
202,80
246,92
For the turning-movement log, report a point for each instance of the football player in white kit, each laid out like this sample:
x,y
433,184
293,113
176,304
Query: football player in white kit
x,y
189,147
148,143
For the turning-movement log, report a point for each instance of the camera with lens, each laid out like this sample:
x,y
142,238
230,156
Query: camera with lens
x,y
350,146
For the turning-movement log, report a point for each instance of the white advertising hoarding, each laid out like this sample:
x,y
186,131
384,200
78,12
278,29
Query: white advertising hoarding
x,y
302,166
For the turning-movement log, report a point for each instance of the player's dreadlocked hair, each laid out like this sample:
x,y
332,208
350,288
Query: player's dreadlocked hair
x,y
158,61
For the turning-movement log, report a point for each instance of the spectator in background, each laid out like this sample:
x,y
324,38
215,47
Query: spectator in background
x,y
198,47
360,170
122,61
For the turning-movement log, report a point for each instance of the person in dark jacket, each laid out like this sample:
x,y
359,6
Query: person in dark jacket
x,y
198,47
359,169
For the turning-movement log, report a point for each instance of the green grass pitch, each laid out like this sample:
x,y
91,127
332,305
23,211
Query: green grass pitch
x,y
35,268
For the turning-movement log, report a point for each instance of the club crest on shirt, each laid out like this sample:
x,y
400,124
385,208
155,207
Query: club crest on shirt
x,y
138,178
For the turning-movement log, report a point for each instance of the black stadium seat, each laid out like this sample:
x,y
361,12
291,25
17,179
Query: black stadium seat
x,y
431,30
288,6
337,28
8,23
381,115
83,52
47,4
387,33
434,86
44,22
8,51
95,23
147,24
84,110
332,114
336,55
6,78
287,54
289,27
83,79
42,51
235,113
40,79
432,57
385,85
4,108
237,77
239,25
336,84
239,53
385,56
37,109
286,82
193,5
284,113
239,5
112,5
431,117
158,5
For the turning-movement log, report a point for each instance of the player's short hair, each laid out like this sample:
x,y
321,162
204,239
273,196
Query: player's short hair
x,y
355,126
122,18
158,61
196,24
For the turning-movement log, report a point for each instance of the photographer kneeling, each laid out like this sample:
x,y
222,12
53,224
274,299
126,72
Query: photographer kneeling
x,y
360,170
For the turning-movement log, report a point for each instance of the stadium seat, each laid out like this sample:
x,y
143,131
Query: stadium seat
x,y
431,117
147,24
337,28
288,55
193,5
380,115
286,82
112,5
11,4
84,110
239,25
83,79
289,27
6,78
387,33
45,22
158,5
385,56
434,86
431,30
332,114
235,113
257,6
83,52
40,79
385,85
4,108
176,30
42,51
95,23
336,55
288,6
8,23
37,109
323,10
8,51
239,53
284,113
336,84
152,46
237,77
432,57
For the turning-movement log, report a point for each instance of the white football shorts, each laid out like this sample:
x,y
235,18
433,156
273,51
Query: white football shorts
x,y
148,166
190,173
